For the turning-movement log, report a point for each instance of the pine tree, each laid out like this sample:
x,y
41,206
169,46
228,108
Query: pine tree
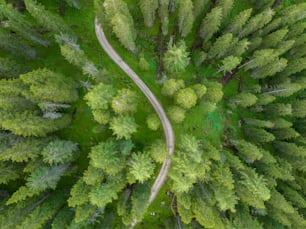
x,y
285,133
47,19
141,167
139,201
257,135
9,172
279,109
46,177
124,31
44,212
186,98
295,66
29,124
23,151
125,101
200,6
229,63
158,151
280,123
247,150
221,46
185,17
63,218
244,100
9,68
226,6
47,85
101,195
210,24
238,48
264,99
148,9
293,14
100,96
273,39
163,11
299,108
176,58
261,58
258,123
59,152
107,157
239,21
171,86
79,194
252,189
256,22
15,45
278,65
123,126
93,175
176,114
198,57
284,89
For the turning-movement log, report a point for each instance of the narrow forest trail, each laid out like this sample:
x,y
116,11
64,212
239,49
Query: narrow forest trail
x,y
168,130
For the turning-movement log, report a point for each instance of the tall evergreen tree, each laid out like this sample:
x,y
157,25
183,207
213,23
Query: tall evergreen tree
x,y
185,17
148,9
210,24
239,21
163,11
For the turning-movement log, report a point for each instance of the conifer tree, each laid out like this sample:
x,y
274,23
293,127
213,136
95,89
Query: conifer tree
x,y
264,99
15,45
9,68
279,109
299,108
284,89
273,39
226,6
278,65
158,151
125,101
59,152
74,3
199,57
261,58
210,24
247,150
229,63
280,123
219,48
185,17
295,66
123,126
252,189
176,58
199,89
258,135
100,96
148,9
239,21
163,11
124,31
257,22
141,167
200,6
107,157
9,172
244,100
47,19
259,123
293,14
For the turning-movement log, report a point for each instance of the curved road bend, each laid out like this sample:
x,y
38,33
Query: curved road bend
x,y
169,134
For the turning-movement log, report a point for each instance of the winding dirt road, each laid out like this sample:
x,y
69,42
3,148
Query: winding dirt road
x,y
168,130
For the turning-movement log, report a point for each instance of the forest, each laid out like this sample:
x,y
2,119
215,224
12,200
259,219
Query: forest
x,y
152,114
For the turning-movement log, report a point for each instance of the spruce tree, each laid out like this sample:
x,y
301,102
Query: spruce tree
x,y
123,126
163,11
239,21
210,24
148,9
219,48
257,22
185,17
